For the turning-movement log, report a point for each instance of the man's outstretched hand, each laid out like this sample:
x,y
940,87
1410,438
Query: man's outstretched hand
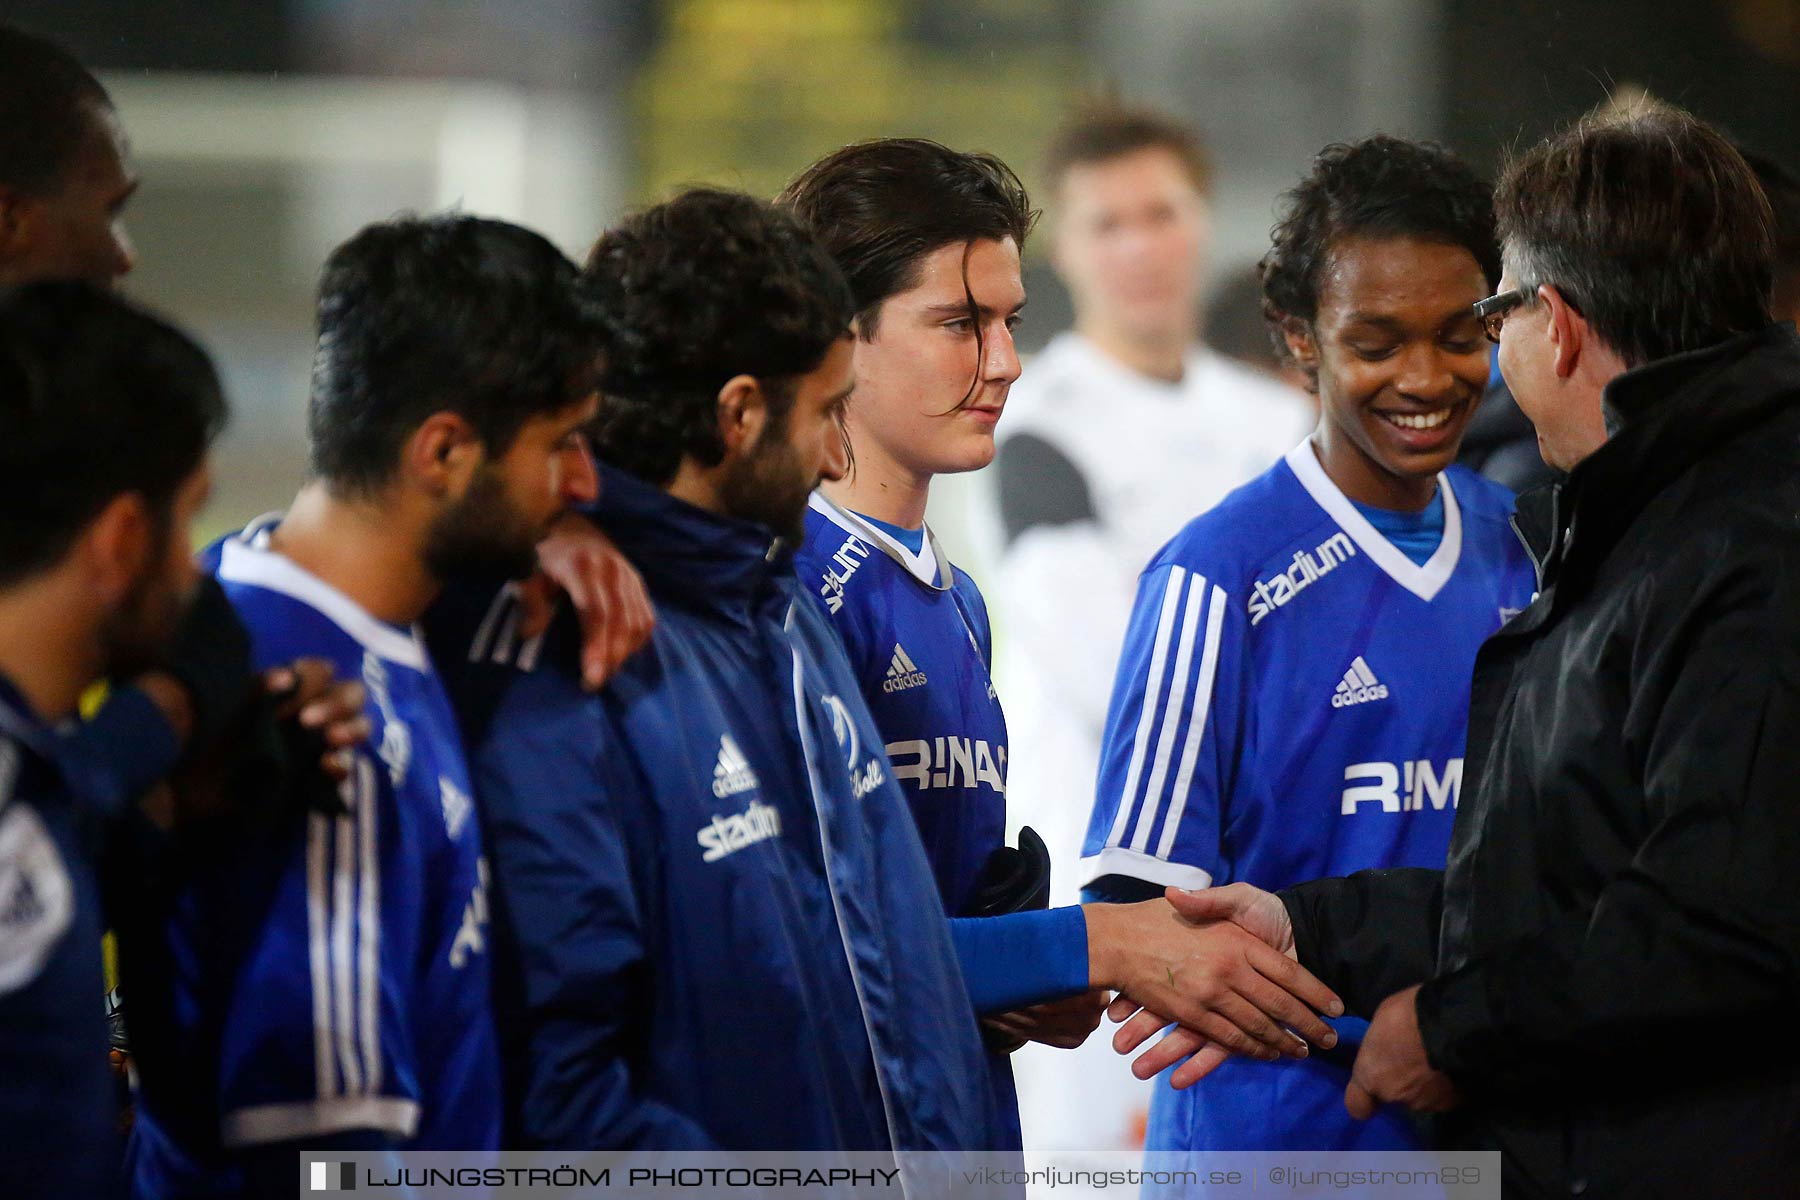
x,y
1232,990
1259,913
608,595
1256,914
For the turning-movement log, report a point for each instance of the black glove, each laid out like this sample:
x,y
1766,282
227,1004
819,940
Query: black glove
x,y
210,657
267,766
1014,879
274,768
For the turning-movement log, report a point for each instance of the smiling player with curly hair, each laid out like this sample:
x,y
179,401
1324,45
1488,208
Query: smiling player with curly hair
x,y
1294,688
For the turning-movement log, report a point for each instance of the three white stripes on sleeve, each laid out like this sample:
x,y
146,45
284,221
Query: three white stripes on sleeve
x,y
1167,692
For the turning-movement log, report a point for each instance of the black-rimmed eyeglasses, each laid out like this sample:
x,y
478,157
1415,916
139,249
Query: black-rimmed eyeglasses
x,y
1492,311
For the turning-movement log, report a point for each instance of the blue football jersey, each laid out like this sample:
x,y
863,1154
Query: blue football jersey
x,y
332,976
1291,703
916,632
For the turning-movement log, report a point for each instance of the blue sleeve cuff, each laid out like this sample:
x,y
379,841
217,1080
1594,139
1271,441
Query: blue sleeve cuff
x,y
1022,958
125,750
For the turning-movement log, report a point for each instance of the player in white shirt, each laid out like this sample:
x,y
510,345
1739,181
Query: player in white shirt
x,y
1115,435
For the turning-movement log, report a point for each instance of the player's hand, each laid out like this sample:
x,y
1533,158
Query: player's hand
x,y
1392,1067
996,1040
1259,913
608,594
1198,1056
1212,976
333,711
1064,1023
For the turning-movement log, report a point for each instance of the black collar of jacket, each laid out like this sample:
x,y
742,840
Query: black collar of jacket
x,y
1663,418
687,555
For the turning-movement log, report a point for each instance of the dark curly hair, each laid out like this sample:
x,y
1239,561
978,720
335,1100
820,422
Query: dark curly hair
x,y
1379,187
447,313
694,291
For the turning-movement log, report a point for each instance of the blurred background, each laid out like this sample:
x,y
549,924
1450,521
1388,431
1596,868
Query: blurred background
x,y
265,132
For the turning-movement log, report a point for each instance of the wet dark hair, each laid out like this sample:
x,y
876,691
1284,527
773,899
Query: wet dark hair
x,y
98,399
48,103
704,287
1110,130
1649,222
1380,187
880,207
421,315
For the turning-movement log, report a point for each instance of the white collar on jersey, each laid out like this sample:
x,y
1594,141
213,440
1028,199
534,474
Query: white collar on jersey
x,y
246,558
1423,581
923,566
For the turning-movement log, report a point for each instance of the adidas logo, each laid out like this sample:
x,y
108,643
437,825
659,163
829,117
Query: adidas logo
x,y
457,807
902,673
1358,686
733,774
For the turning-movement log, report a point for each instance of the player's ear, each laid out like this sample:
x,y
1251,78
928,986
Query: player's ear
x,y
743,411
1303,347
1568,330
442,454
20,223
116,547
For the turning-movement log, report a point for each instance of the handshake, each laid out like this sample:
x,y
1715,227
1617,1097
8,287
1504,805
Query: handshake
x,y
1219,964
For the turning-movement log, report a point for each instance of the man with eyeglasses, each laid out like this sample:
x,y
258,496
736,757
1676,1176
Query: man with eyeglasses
x,y
1499,442
1620,885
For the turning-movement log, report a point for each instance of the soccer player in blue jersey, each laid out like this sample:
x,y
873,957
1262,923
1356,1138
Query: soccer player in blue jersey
x,y
329,985
919,229
105,419
1293,694
930,239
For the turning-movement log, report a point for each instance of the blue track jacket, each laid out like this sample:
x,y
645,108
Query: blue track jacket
x,y
716,925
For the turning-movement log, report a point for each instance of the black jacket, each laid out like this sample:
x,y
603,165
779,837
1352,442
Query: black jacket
x,y
1616,982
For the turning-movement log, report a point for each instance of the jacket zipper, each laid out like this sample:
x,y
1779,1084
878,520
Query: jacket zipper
x,y
1537,566
813,782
